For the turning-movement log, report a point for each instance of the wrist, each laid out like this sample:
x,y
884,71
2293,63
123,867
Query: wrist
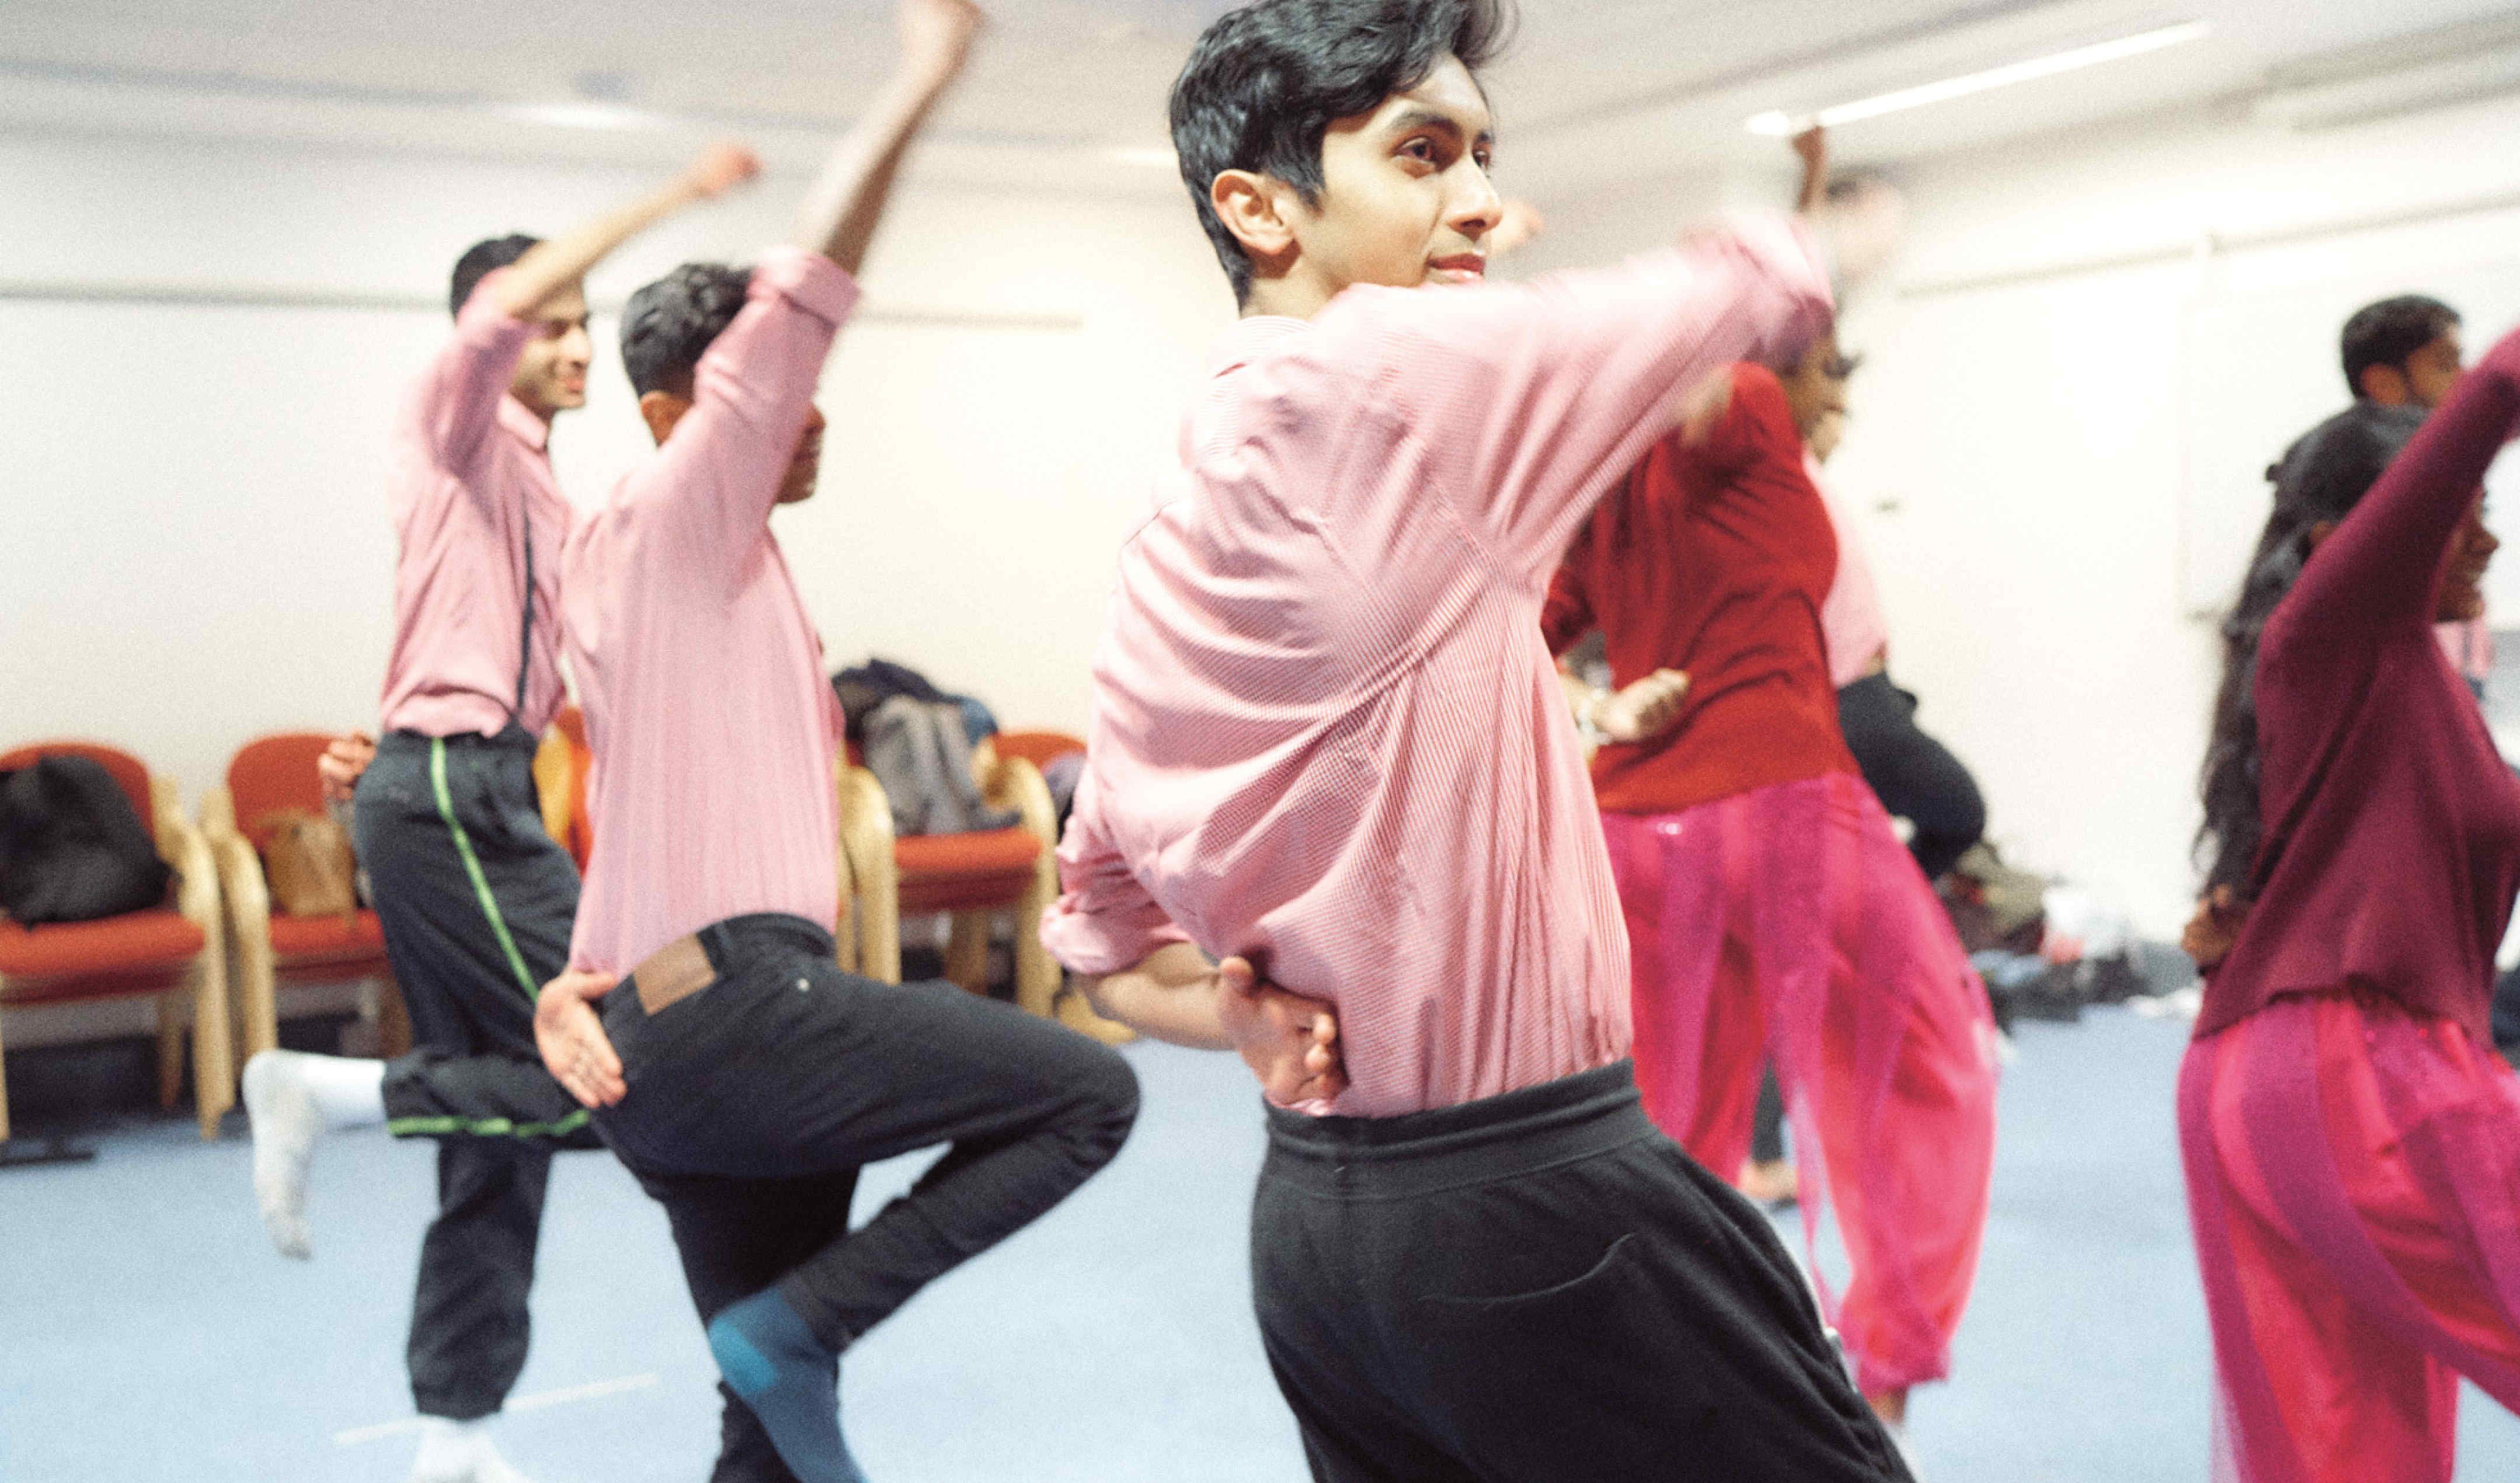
x,y
1588,717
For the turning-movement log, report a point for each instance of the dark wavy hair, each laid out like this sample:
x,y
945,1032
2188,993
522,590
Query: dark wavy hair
x,y
2320,477
1265,83
479,261
670,323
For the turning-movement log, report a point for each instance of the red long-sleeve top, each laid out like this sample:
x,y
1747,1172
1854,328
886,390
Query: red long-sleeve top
x,y
1714,557
2392,828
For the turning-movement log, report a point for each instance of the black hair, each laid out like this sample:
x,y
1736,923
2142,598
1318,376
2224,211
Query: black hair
x,y
2385,334
2320,477
480,261
669,325
1266,83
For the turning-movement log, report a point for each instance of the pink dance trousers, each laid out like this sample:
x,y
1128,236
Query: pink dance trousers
x,y
2353,1182
1788,926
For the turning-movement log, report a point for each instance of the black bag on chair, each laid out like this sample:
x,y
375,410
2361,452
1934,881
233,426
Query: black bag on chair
x,y
71,847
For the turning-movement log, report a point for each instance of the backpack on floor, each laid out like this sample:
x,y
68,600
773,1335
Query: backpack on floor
x,y
71,847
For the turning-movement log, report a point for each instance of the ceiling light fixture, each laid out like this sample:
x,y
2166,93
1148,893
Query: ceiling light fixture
x,y
587,115
1777,123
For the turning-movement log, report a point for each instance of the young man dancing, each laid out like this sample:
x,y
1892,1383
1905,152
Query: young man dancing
x,y
736,1070
1328,741
475,899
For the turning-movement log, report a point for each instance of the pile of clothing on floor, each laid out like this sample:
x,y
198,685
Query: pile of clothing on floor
x,y
2046,948
917,739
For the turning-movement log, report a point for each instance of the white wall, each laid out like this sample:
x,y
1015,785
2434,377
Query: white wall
x,y
197,550
2037,448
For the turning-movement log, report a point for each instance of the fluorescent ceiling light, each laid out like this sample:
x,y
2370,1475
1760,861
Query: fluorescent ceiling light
x,y
587,115
1151,155
1777,123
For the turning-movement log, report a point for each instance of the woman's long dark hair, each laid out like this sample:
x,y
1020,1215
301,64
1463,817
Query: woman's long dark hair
x,y
2320,479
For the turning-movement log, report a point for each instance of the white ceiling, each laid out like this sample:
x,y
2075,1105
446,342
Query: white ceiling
x,y
1597,91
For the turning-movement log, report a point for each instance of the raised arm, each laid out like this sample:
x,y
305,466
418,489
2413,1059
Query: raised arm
x,y
1811,145
840,215
1539,396
457,398
750,415
2381,567
553,267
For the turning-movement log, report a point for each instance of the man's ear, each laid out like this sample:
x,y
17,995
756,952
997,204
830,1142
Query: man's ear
x,y
2385,384
662,410
1255,208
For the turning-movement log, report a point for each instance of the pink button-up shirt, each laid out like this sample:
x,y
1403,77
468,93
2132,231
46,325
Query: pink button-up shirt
x,y
1327,734
469,483
1850,619
713,729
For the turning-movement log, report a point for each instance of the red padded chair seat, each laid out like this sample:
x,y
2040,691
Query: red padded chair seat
x,y
952,872
297,940
69,951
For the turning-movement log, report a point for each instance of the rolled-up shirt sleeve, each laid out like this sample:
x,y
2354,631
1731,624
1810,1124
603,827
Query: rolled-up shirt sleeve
x,y
1104,920
456,400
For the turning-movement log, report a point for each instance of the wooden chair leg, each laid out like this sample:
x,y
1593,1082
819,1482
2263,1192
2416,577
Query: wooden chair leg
x,y
170,1045
258,997
394,1019
1037,974
966,952
879,933
844,932
214,1067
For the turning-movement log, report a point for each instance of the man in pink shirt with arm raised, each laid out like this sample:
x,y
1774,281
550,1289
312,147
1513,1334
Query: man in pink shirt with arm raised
x,y
735,1068
476,900
1328,744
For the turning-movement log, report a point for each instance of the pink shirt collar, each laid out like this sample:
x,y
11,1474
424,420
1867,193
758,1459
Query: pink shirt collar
x,y
514,416
1251,339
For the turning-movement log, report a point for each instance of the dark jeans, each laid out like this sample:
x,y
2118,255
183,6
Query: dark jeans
x,y
753,1101
1914,776
1540,1287
476,902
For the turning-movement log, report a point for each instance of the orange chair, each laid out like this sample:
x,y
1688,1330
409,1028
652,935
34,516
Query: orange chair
x,y
971,877
560,767
274,948
172,950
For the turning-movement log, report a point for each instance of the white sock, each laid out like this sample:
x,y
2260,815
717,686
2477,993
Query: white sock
x,y
291,1099
460,1452
448,1450
348,1093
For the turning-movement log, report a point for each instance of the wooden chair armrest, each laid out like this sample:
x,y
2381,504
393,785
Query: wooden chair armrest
x,y
866,829
242,886
218,813
1015,782
181,845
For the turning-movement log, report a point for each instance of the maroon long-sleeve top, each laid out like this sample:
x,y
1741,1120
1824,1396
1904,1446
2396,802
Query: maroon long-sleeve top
x,y
2390,850
1713,557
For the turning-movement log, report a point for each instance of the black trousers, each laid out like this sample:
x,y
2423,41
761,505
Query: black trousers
x,y
1915,777
1540,1287
476,902
753,1101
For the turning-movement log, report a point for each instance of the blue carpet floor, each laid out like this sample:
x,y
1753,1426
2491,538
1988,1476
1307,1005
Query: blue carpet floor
x,y
148,1333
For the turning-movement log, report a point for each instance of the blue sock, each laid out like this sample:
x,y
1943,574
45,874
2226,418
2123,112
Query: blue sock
x,y
790,1379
